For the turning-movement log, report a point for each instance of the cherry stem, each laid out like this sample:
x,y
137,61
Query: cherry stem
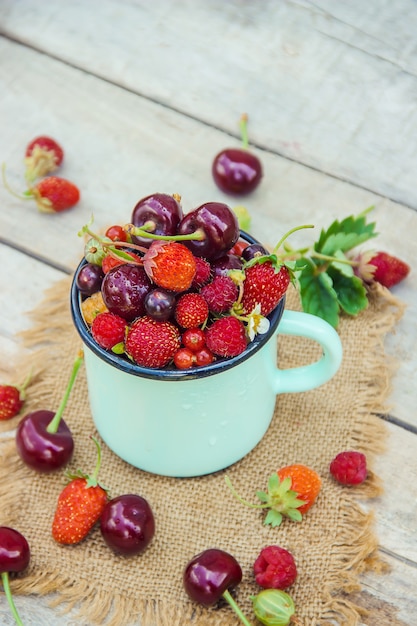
x,y
26,196
8,594
94,476
227,596
287,234
243,125
53,425
197,235
242,500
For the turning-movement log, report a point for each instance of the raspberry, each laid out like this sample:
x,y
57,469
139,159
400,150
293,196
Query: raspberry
x,y
11,401
108,330
151,343
191,310
220,294
349,467
226,337
202,273
275,568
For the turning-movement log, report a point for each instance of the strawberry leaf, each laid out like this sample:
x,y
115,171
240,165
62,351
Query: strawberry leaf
x,y
345,235
317,294
273,518
351,292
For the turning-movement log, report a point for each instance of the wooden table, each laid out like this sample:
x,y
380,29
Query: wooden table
x,y
142,95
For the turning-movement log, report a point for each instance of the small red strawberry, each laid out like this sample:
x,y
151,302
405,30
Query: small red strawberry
x,y
54,194
275,568
220,294
265,284
170,265
226,337
304,481
43,156
11,401
109,330
79,506
191,310
389,270
349,467
151,343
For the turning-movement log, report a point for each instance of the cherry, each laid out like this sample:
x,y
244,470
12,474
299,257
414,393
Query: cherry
x,y
14,557
209,576
89,278
158,214
127,524
116,233
43,440
124,289
160,304
254,250
236,170
218,225
222,265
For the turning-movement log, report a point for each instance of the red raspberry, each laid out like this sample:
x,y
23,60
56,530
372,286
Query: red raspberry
x,y
226,337
191,310
275,568
220,294
349,467
108,329
202,273
151,343
11,401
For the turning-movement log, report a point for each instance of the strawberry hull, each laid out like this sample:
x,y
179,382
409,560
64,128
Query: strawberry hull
x,y
200,420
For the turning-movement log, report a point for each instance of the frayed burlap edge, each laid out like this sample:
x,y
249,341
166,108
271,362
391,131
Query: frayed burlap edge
x,y
357,544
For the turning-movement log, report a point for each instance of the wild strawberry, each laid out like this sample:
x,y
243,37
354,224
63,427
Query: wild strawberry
x,y
54,194
92,306
79,506
275,568
292,490
226,337
109,330
265,284
389,270
170,265
110,261
349,467
151,343
202,273
191,310
43,156
11,401
220,294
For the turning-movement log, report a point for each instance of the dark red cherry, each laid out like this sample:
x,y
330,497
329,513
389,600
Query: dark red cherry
x,y
89,278
39,449
124,289
14,557
160,304
159,213
127,524
218,225
209,574
222,265
236,170
254,250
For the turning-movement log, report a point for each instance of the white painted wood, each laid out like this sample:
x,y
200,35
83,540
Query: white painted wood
x,y
328,84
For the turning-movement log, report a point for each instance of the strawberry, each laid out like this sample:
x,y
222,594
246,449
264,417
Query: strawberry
x,y
265,284
304,481
170,265
226,337
79,506
109,330
54,194
11,401
275,568
389,270
151,343
43,156
220,294
191,310
349,467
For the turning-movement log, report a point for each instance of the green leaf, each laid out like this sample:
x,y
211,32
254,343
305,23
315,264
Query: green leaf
x,y
343,267
345,235
273,518
351,292
317,294
295,515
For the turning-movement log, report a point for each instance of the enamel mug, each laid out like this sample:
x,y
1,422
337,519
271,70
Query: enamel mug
x,y
198,421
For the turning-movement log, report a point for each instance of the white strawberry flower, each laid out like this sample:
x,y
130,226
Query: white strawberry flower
x,y
257,323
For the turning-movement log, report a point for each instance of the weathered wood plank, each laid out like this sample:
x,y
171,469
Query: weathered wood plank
x,y
330,85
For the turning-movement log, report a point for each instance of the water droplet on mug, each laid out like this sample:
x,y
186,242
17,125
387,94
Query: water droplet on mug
x,y
212,441
186,407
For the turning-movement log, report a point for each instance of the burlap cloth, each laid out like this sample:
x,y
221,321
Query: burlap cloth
x,y
332,545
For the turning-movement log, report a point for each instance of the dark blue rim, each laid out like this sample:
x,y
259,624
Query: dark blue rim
x,y
168,373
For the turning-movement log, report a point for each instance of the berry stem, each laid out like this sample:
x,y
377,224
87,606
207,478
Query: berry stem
x,y
54,423
242,500
287,234
228,597
26,196
197,235
243,125
7,592
93,479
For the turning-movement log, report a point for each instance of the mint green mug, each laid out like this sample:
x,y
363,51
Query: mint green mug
x,y
194,422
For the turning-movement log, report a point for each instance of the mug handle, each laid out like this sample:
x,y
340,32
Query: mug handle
x,y
310,376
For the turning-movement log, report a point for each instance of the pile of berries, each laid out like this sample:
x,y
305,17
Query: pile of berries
x,y
175,290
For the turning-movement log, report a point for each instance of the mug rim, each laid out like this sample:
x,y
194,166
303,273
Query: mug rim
x,y
167,373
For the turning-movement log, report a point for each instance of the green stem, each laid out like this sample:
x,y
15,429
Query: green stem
x,y
198,235
8,594
242,500
54,423
27,196
243,125
227,596
293,230
325,257
94,475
